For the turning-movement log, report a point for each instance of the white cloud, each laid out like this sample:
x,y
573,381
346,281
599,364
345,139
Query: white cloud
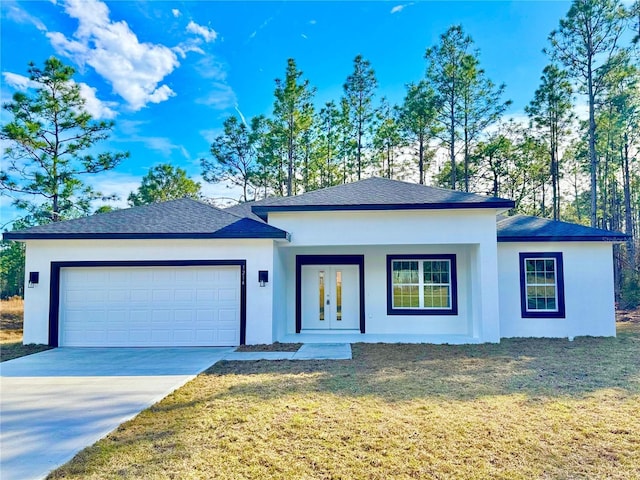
x,y
134,69
175,12
221,96
304,36
18,15
223,194
93,105
19,82
163,145
399,8
185,47
209,34
114,183
312,22
210,134
210,67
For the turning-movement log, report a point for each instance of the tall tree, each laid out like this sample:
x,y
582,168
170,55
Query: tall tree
x,y
387,139
448,66
620,118
12,267
481,107
162,183
235,155
359,90
49,139
586,43
417,120
551,112
328,144
293,114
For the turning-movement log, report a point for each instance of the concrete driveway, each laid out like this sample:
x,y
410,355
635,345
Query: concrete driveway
x,y
55,403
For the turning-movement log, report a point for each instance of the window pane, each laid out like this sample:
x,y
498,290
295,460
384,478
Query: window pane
x,y
339,296
421,284
321,294
540,281
436,297
406,296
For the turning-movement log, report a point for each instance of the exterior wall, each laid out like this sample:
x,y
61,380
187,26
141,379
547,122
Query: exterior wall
x,y
257,253
470,234
588,289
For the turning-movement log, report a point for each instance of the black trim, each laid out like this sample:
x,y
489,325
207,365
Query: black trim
x,y
564,238
413,311
262,211
559,283
328,260
136,236
54,290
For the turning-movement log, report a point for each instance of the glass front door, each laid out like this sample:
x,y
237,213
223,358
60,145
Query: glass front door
x,y
330,297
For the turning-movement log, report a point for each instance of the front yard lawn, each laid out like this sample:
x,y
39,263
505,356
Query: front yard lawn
x,y
523,409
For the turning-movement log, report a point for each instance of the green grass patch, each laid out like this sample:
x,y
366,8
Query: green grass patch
x,y
11,350
522,409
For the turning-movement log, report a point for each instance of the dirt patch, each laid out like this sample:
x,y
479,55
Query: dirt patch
x,y
274,347
632,316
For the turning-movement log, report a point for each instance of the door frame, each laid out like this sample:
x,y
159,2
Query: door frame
x,y
328,260
54,290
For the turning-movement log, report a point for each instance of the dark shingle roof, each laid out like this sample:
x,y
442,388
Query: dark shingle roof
x,y
522,228
378,194
184,218
244,210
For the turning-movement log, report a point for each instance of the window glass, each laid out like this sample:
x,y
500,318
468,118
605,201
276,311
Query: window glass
x,y
421,284
541,284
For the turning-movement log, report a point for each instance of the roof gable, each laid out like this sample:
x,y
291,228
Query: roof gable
x,y
183,218
378,194
523,228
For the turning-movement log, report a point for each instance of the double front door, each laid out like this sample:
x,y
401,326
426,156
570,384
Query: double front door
x,y
330,297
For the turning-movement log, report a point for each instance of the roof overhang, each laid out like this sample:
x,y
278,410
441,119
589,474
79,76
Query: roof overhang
x,y
565,238
21,236
263,211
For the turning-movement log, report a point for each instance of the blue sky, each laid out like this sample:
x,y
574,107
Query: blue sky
x,y
169,73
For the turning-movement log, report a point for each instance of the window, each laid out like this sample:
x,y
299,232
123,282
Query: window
x,y
541,285
421,285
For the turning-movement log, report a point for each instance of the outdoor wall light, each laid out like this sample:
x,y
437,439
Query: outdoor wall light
x,y
263,277
34,278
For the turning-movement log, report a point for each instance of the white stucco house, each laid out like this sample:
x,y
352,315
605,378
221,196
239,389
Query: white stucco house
x,y
372,261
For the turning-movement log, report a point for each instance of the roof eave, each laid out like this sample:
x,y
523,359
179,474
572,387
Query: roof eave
x,y
263,211
17,236
564,238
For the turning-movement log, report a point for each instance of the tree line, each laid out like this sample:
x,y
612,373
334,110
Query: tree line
x,y
449,130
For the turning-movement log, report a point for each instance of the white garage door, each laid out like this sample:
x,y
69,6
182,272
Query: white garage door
x,y
149,306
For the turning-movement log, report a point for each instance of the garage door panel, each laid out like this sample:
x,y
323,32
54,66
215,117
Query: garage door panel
x,y
227,335
149,306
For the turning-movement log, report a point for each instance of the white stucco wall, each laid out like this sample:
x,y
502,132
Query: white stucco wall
x,y
588,287
470,234
257,253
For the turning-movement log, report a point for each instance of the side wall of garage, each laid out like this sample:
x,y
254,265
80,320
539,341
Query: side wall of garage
x,y
257,253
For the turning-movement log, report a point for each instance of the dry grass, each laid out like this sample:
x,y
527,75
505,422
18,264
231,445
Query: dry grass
x,y
523,409
11,313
